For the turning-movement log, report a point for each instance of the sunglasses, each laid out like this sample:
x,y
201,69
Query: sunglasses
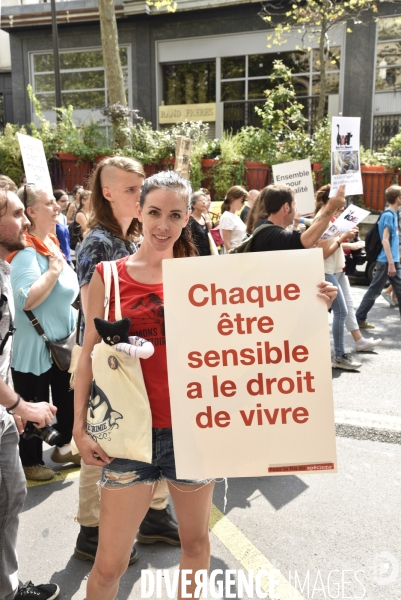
x,y
25,199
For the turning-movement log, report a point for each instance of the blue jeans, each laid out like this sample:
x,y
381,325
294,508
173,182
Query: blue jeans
x,y
123,472
12,496
376,287
340,312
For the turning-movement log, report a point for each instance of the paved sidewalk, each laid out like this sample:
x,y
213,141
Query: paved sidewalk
x,y
367,403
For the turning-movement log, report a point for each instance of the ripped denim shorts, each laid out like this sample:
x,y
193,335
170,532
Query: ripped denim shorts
x,y
123,472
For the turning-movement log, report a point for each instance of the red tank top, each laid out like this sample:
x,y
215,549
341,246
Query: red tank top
x,y
144,305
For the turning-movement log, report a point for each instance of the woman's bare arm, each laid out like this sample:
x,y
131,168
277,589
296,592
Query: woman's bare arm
x,y
90,451
226,235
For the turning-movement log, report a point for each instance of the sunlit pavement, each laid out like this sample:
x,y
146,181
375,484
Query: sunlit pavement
x,y
332,535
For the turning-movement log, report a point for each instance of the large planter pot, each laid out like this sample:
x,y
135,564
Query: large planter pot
x,y
257,175
317,169
376,179
68,170
207,181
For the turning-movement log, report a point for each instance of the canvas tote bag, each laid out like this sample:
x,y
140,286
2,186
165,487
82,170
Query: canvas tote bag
x,y
119,417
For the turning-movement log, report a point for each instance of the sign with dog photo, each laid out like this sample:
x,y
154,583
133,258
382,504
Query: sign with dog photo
x,y
345,159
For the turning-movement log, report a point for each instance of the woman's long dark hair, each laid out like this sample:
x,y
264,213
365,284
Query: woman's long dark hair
x,y
170,180
322,197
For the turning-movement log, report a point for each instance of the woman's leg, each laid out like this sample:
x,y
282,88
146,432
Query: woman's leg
x,y
121,512
350,322
63,399
33,388
339,316
192,506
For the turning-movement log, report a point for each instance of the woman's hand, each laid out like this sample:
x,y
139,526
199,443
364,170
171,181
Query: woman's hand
x,y
56,263
328,292
90,451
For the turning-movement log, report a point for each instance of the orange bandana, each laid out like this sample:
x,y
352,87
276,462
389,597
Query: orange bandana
x,y
34,242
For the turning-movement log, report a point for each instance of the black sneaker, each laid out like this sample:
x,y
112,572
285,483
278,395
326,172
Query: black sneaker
x,y
159,526
47,591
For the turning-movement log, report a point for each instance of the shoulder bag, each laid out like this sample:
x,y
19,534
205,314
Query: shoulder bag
x,y
119,417
60,351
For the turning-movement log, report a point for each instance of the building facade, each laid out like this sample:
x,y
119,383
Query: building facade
x,y
203,63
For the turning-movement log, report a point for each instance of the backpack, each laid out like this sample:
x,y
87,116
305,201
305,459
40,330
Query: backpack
x,y
245,246
75,231
373,242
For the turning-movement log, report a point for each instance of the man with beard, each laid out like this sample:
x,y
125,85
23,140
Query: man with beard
x,y
14,412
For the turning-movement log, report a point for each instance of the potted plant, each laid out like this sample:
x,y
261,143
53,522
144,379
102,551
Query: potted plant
x,y
229,168
256,148
321,153
376,178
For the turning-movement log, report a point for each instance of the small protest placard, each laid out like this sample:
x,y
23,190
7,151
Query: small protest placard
x,y
298,175
182,155
34,159
345,161
249,365
349,219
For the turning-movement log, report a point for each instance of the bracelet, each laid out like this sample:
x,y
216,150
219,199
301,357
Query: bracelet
x,y
10,408
337,242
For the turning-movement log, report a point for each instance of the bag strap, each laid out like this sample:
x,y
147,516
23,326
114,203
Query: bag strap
x,y
11,328
107,285
35,324
116,291
78,325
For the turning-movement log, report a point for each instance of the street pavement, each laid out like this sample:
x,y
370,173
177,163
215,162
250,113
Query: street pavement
x,y
331,535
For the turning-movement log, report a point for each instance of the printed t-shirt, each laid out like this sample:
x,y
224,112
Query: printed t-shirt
x,y
144,305
200,236
389,219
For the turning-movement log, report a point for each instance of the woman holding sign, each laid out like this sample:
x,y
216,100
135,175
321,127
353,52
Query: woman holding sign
x,y
343,307
164,213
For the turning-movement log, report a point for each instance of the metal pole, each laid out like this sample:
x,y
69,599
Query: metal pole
x,y
56,56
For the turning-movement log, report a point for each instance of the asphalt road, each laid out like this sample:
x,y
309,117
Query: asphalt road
x,y
334,535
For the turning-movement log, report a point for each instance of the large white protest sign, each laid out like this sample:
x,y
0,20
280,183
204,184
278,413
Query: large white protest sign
x,y
345,160
249,365
349,219
298,175
34,159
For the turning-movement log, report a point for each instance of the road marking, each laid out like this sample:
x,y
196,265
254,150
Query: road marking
x,y
248,555
72,473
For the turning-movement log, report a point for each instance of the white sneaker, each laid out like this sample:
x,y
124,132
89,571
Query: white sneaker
x,y
345,362
367,343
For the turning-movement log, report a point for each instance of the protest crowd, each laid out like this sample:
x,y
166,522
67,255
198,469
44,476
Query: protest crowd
x,y
54,278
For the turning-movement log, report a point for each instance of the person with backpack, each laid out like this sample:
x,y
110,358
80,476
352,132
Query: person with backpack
x,y
278,206
387,256
343,306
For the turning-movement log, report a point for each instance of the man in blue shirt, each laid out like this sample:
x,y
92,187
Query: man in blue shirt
x,y
388,261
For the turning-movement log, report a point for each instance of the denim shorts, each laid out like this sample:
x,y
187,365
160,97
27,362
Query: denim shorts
x,y
123,472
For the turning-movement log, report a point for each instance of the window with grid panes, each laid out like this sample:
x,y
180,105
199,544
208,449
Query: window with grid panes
x,y
83,81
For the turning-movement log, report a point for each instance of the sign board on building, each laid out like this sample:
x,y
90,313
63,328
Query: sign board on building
x,y
249,378
187,112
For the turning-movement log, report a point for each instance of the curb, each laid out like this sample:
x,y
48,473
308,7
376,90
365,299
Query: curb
x,y
368,426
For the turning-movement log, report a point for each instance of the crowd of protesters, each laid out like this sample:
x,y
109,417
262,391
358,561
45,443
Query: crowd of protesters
x,y
51,253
